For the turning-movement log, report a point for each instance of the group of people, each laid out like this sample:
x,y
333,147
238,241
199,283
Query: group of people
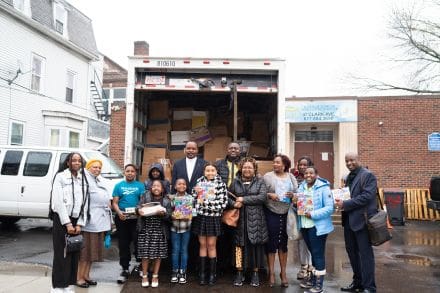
x,y
193,204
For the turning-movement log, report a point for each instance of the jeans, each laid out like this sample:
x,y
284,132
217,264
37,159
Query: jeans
x,y
316,245
179,253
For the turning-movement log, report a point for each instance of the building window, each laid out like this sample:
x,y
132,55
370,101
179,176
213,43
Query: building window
x,y
105,94
73,139
70,81
17,133
54,139
37,73
119,94
23,6
60,17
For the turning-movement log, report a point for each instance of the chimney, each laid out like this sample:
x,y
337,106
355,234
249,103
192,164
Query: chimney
x,y
141,48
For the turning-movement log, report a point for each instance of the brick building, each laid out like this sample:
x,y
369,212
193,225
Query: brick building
x,y
390,133
393,139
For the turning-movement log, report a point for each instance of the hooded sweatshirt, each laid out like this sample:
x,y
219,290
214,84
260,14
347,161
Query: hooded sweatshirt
x,y
150,178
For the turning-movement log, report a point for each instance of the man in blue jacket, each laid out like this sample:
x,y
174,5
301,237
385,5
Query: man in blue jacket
x,y
363,186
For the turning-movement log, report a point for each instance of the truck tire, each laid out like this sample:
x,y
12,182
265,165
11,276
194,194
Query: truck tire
x,y
9,220
435,188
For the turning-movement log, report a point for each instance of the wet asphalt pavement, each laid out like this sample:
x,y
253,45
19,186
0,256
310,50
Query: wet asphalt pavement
x,y
408,263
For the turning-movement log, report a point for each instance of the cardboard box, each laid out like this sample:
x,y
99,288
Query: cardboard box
x,y
181,125
164,124
152,154
182,114
264,167
260,131
176,155
258,150
200,135
218,131
159,137
199,119
216,148
179,137
158,109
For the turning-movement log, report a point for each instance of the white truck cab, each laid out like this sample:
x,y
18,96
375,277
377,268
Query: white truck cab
x,y
26,175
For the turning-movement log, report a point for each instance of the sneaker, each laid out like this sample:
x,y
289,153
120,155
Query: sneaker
x,y
145,283
123,277
69,290
182,277
306,283
302,272
174,276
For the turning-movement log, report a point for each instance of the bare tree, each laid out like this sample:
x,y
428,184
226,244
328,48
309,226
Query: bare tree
x,y
417,38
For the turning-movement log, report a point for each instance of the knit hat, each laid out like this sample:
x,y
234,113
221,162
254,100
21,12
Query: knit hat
x,y
90,162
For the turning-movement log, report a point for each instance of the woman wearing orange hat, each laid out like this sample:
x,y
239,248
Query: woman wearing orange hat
x,y
97,225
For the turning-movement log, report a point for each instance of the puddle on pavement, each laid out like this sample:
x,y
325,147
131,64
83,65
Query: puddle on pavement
x,y
414,259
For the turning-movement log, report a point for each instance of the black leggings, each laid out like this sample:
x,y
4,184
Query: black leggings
x,y
64,269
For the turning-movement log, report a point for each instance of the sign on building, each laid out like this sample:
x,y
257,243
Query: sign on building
x,y
434,142
321,111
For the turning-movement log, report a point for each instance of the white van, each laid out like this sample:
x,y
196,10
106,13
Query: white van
x,y
26,175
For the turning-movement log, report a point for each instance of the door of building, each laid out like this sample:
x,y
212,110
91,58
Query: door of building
x,y
318,145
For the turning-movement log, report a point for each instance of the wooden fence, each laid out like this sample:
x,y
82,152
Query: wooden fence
x,y
415,204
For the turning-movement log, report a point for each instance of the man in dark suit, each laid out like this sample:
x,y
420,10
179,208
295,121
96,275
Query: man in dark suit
x,y
363,186
189,168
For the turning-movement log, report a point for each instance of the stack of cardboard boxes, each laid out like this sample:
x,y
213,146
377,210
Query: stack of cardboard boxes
x,y
165,138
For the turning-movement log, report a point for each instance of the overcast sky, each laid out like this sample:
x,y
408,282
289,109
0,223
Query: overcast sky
x,y
323,42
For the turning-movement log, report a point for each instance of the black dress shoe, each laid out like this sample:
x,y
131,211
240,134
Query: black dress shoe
x,y
82,285
92,282
352,288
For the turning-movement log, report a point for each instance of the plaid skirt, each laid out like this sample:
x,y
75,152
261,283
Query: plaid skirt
x,y
207,225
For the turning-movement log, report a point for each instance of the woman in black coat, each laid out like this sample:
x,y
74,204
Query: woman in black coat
x,y
251,232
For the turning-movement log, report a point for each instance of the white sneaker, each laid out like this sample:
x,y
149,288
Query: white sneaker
x,y
56,290
145,282
69,289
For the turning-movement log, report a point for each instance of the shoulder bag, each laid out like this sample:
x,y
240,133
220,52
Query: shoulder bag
x,y
377,225
230,217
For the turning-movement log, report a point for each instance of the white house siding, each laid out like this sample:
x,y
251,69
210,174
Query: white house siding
x,y
17,44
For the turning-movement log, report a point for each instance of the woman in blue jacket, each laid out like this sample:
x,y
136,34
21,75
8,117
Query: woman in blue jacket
x,y
315,224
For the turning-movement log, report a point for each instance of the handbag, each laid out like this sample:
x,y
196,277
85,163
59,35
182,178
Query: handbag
x,y
230,217
292,225
74,243
377,227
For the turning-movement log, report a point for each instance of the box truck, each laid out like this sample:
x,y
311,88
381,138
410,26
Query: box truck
x,y
211,100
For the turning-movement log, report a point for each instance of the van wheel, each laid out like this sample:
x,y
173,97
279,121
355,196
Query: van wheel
x,y
9,220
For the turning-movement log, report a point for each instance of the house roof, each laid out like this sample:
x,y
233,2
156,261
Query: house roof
x,y
80,30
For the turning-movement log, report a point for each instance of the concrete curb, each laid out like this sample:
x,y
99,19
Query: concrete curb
x,y
24,277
